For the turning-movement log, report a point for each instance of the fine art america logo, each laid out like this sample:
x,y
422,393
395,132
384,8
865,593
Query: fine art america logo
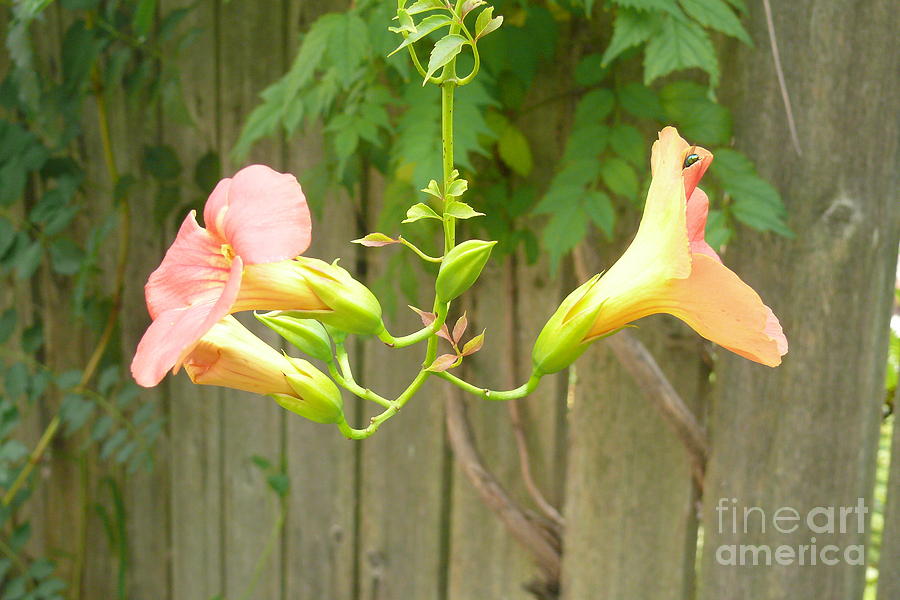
x,y
821,520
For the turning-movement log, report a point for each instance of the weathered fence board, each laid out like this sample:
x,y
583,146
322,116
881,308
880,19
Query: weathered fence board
x,y
805,434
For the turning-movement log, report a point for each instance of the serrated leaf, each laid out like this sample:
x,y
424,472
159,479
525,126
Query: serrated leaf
x,y
420,211
460,328
640,101
473,345
427,26
627,142
485,24
28,260
433,189
348,46
564,231
698,118
630,28
650,5
717,15
66,256
443,52
586,143
619,177
421,6
442,363
600,209
515,151
8,321
143,17
594,107
461,210
680,44
457,188
428,318
407,25
375,240
590,70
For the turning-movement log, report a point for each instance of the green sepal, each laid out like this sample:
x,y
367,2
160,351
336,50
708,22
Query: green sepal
x,y
305,334
461,268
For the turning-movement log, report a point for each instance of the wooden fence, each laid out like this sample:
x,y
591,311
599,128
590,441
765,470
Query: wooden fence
x,y
394,517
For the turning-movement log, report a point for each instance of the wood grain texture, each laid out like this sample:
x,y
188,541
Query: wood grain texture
x,y
630,502
805,435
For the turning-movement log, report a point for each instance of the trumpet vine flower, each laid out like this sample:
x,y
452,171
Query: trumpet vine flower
x,y
668,268
256,222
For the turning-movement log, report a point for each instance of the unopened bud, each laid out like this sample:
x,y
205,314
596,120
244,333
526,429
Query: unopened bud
x,y
562,340
305,334
461,267
316,397
353,308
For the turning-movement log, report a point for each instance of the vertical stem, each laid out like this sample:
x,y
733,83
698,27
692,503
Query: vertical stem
x,y
447,89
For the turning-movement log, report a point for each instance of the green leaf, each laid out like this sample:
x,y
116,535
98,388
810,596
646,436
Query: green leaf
x,y
590,70
640,101
473,345
627,142
515,151
586,143
421,6
7,236
619,177
566,228
718,232
600,209
7,324
717,15
486,22
649,5
594,107
279,483
32,338
427,26
630,28
457,188
433,189
680,44
348,46
375,240
730,164
420,211
161,162
757,204
28,260
207,171
66,256
143,17
443,52
75,412
461,210
79,52
699,119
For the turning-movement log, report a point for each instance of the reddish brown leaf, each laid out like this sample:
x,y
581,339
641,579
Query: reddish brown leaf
x,y
375,240
460,328
442,363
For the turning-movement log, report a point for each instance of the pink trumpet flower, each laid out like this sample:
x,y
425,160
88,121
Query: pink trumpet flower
x,y
256,222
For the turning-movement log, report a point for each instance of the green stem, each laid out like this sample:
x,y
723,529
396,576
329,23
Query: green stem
x,y
354,388
519,392
422,334
421,254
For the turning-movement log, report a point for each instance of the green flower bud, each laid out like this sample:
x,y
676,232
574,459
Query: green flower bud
x,y
461,267
562,340
317,398
354,308
307,335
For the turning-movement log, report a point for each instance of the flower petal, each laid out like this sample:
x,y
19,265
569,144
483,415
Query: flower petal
x,y
174,333
697,209
262,213
194,271
722,308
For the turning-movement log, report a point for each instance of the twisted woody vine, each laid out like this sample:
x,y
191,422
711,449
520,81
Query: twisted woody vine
x,y
250,257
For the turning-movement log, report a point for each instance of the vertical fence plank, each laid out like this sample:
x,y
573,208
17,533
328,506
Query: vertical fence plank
x,y
195,434
485,560
630,507
805,435
251,46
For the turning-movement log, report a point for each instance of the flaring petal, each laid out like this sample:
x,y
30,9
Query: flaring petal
x,y
194,271
697,209
262,213
174,333
722,308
